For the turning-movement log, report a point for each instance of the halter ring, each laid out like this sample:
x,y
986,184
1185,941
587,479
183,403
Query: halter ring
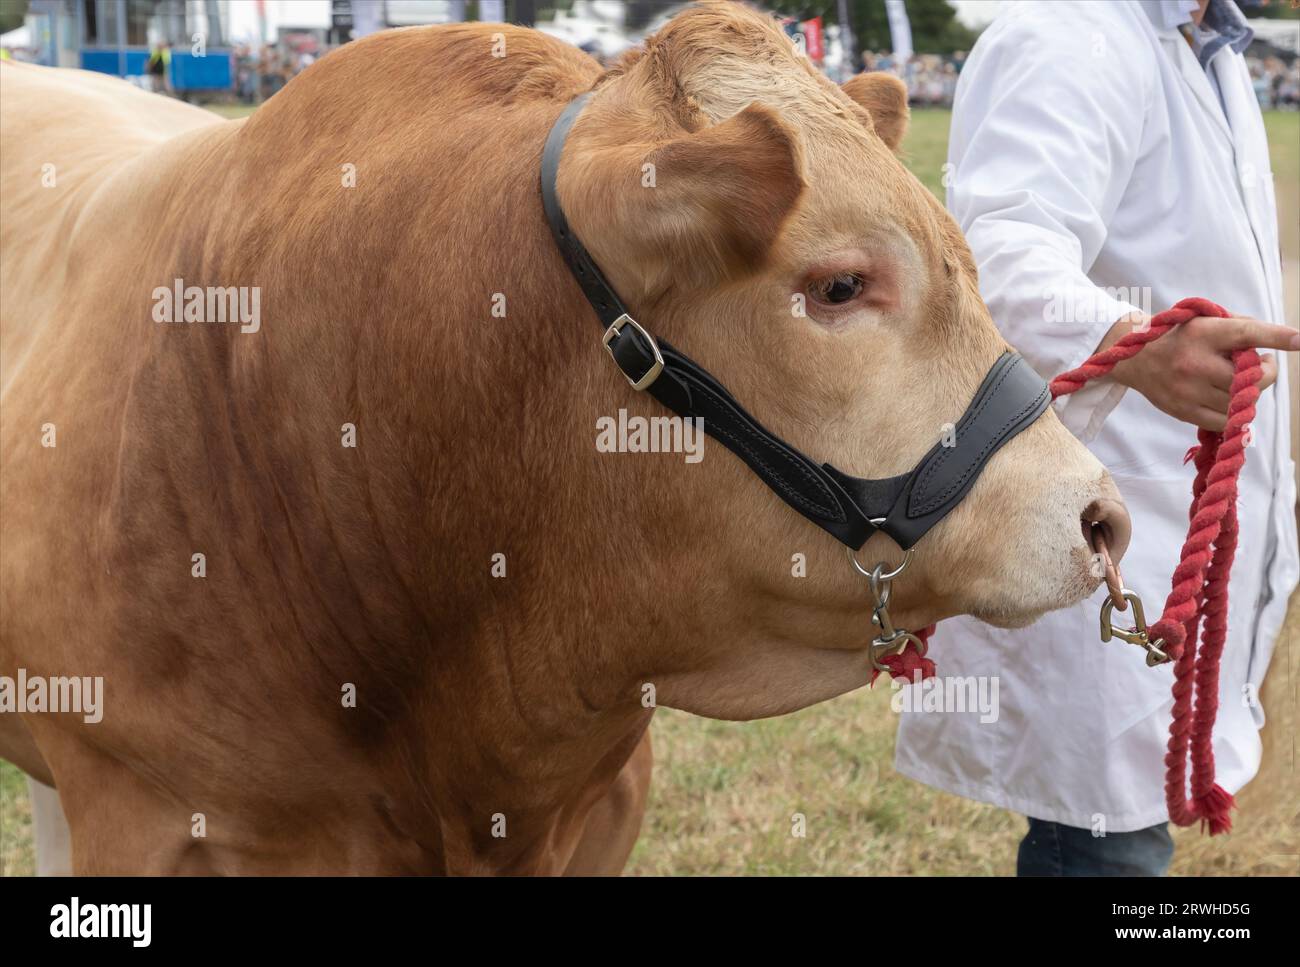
x,y
857,566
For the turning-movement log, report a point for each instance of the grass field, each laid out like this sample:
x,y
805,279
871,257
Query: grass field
x,y
232,110
724,793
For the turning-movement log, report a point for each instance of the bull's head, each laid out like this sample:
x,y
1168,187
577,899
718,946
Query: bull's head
x,y
756,215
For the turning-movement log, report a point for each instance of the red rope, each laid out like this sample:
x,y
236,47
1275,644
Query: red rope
x,y
909,665
1198,599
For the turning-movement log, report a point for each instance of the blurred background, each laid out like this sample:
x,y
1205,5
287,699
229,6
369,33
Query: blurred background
x,y
724,793
243,51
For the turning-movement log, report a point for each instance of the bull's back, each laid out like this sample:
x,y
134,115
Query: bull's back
x,y
65,132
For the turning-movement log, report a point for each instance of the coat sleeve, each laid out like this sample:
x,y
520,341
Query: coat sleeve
x,y
1046,130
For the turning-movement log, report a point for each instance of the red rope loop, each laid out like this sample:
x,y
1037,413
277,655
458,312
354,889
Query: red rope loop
x,y
909,662
1198,597
1194,623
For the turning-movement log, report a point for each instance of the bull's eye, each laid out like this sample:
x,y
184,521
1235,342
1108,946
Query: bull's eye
x,y
836,290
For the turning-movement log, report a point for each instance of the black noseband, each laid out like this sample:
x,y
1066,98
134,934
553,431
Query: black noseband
x,y
1011,397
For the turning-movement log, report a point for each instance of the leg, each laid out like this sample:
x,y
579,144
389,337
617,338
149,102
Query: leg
x,y
52,836
615,822
1040,850
117,824
1052,849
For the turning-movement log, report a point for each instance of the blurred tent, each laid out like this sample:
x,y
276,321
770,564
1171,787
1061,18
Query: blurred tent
x,y
21,38
1279,38
116,37
597,26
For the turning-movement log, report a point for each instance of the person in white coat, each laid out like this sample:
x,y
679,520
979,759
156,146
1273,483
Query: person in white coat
x,y
1105,161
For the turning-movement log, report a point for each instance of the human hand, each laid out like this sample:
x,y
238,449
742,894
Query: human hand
x,y
1188,372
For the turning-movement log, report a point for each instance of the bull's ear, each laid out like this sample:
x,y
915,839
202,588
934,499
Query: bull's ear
x,y
724,192
701,207
884,97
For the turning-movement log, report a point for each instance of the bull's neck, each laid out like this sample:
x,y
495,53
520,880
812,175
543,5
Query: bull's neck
x,y
411,468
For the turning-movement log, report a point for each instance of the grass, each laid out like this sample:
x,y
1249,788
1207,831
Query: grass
x,y
925,148
17,858
232,110
1283,129
725,794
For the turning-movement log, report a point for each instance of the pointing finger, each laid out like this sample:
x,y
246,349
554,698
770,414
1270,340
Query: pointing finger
x,y
1240,332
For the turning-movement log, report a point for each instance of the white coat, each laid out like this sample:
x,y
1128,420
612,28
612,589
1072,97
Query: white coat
x,y
1089,152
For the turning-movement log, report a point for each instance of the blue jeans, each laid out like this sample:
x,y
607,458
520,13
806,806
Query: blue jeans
x,y
1051,849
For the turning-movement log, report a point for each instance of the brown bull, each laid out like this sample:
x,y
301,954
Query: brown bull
x,y
433,650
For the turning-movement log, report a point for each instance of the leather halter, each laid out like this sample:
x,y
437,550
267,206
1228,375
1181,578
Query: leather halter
x,y
851,509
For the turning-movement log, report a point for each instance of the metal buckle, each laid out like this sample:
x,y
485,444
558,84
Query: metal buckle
x,y
1137,635
653,372
890,640
885,646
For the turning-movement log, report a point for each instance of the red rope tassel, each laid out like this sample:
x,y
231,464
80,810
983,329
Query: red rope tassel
x,y
909,664
1198,598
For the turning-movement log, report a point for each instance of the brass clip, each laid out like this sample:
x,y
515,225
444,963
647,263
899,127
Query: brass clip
x,y
1137,635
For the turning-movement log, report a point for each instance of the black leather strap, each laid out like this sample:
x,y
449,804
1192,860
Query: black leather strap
x,y
1011,397
599,293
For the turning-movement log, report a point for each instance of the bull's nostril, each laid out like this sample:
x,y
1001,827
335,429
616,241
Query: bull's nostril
x,y
1087,527
1111,516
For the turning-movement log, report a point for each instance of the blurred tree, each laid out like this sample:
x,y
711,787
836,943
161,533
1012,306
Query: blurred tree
x,y
12,14
1275,10
935,27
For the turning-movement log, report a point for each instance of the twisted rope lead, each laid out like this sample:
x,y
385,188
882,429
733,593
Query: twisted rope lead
x,y
1199,592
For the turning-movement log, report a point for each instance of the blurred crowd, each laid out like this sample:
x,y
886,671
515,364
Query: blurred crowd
x,y
932,78
1277,86
261,71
